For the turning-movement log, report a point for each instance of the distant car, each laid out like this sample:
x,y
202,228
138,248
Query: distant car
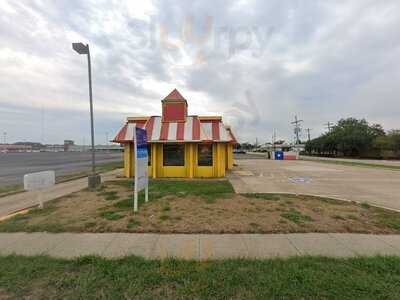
x,y
239,151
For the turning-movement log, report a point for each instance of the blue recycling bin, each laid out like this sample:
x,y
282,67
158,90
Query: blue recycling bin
x,y
278,155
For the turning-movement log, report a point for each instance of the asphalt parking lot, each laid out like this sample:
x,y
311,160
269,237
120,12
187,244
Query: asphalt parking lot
x,y
249,155
363,184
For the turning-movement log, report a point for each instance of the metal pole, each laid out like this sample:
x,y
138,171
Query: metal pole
x,y
135,192
308,134
91,109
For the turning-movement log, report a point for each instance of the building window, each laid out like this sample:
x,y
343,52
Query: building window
x,y
205,155
174,154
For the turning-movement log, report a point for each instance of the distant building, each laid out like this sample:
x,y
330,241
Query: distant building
x,y
15,148
68,144
33,145
53,148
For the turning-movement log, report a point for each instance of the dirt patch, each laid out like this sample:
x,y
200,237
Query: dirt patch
x,y
240,214
4,295
110,209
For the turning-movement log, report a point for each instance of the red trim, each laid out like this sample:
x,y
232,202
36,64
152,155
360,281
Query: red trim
x,y
121,134
196,128
174,95
215,131
149,128
180,131
164,131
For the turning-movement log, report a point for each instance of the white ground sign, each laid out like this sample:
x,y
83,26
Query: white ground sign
x,y
38,181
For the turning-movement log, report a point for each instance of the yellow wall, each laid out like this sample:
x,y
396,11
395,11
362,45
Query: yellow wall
x,y
229,156
128,155
222,160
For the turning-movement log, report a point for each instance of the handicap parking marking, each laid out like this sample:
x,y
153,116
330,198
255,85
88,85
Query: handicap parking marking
x,y
300,180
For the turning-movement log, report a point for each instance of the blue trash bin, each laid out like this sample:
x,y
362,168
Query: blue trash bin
x,y
278,155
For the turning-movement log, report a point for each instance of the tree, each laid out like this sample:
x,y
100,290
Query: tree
x,y
394,140
350,137
388,145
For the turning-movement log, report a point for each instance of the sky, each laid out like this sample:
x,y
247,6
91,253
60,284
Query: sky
x,y
256,63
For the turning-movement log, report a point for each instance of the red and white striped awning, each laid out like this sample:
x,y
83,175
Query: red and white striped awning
x,y
193,130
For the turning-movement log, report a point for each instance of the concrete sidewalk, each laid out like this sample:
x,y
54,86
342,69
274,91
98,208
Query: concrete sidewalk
x,y
198,246
16,202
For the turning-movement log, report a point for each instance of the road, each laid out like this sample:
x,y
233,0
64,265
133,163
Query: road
x,y
13,166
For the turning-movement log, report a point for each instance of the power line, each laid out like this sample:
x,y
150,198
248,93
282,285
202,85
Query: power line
x,y
297,128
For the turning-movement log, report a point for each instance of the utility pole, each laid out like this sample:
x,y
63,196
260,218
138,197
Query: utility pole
x,y
42,125
297,128
308,133
5,137
329,125
94,179
274,139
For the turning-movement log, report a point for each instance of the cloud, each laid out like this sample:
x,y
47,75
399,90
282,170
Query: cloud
x,y
258,63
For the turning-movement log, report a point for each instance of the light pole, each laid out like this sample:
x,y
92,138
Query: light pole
x,y
94,179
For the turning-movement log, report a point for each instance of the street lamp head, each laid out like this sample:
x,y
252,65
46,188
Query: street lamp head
x,y
80,48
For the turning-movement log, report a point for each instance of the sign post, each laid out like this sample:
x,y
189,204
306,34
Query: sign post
x,y
141,166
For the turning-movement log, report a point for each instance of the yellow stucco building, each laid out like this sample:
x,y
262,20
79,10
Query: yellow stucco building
x,y
180,145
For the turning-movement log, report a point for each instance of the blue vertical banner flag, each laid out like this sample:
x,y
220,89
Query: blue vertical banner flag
x,y
141,165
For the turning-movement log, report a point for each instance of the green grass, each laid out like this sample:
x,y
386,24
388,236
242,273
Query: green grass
x,y
365,205
207,189
352,217
136,278
125,203
166,207
109,195
271,197
132,223
389,219
353,163
164,217
339,217
210,190
5,190
296,216
111,215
